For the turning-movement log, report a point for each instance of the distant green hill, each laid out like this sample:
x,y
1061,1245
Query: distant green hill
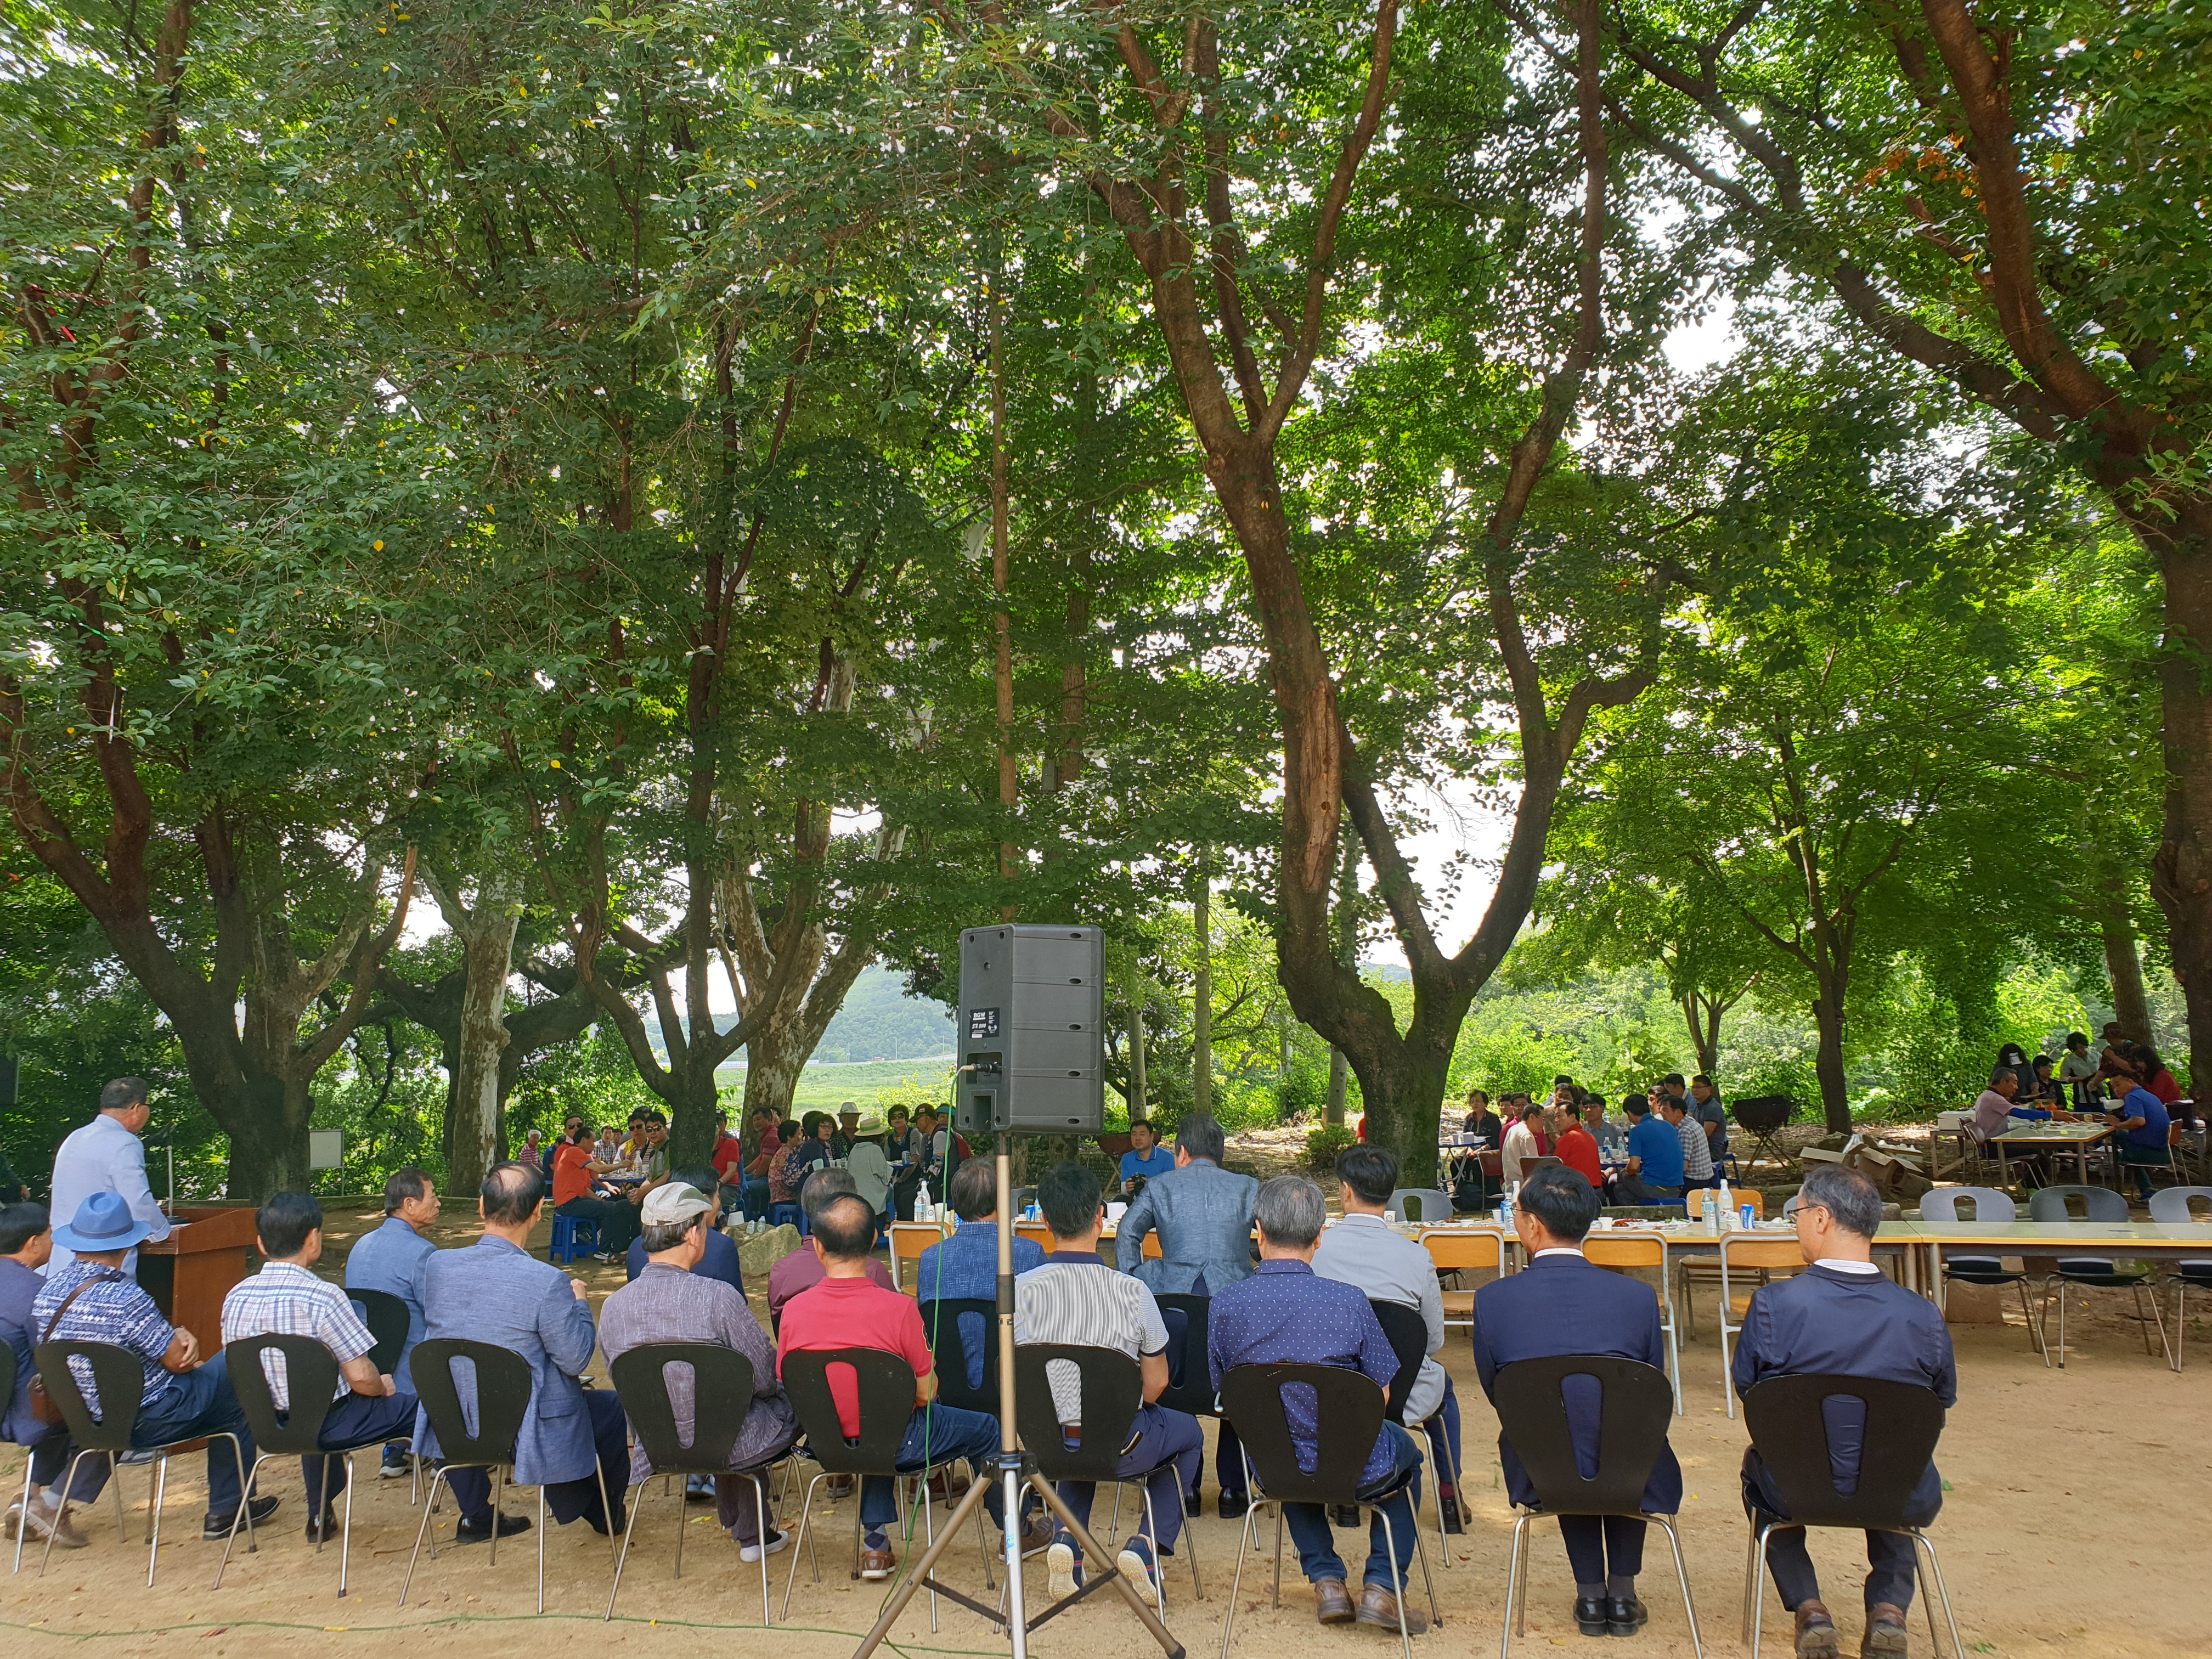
x,y
876,1083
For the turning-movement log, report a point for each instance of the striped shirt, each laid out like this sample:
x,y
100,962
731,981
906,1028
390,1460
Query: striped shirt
x,y
1076,1299
285,1299
1697,1151
114,1310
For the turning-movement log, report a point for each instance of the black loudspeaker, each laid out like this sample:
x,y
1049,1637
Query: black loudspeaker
x,y
1032,1000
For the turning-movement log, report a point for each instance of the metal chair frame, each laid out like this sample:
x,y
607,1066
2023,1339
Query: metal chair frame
x,y
1992,1205
23,1515
2170,1205
1883,1484
379,1309
492,1447
1356,1421
311,1373
1695,1202
1609,1249
1529,1392
1756,1245
1409,1341
2091,1273
109,1434
941,1324
641,1383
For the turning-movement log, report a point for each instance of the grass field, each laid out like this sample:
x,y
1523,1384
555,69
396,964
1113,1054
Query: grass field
x,y
875,1083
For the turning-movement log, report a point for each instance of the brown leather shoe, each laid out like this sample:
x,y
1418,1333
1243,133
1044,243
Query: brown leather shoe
x,y
1816,1631
1332,1601
1885,1632
1378,1607
877,1563
1037,1537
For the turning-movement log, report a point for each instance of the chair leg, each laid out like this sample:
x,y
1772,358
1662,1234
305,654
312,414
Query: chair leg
x,y
1935,1569
2034,1332
1152,1537
498,1492
1244,1540
232,1537
541,1538
1759,1585
1520,1608
1451,1468
69,1483
806,1521
760,1514
23,1525
929,1536
1512,1581
153,1515
607,1513
423,1528
345,1537
682,1523
1397,1580
1428,1579
1750,1582
622,1555
1682,1575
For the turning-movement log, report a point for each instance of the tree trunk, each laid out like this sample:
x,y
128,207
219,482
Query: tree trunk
x,y
2124,964
1201,1005
1828,1056
1136,1034
1402,1114
272,1155
479,1136
1346,924
1340,1078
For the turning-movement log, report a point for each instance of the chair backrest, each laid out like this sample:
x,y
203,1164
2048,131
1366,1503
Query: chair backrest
x,y
1037,1232
1453,1251
1419,1204
500,1394
2172,1203
1408,1336
1636,1403
1699,1199
1754,1250
1984,1203
1902,1424
941,1319
1112,1389
117,1380
908,1240
885,1383
648,1380
1351,1405
2098,1204
385,1315
1609,1249
1190,1378
311,1382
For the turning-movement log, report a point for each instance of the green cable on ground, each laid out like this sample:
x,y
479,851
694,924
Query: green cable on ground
x,y
212,1626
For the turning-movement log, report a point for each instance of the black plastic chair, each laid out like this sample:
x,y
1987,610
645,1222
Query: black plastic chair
x,y
502,1390
387,1317
1111,1387
1190,1380
1903,1424
885,1385
722,1384
2174,1205
1989,1206
2091,1273
311,1382
1408,1334
119,1377
1636,1403
1353,1408
940,1318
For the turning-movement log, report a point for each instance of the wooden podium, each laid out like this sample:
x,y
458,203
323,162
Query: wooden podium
x,y
189,1273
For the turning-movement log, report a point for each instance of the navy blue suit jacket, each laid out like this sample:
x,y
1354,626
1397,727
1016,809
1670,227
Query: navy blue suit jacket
x,y
1825,1322
1563,1305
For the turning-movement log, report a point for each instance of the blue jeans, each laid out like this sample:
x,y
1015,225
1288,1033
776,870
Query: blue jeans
x,y
567,1499
752,1197
201,1402
938,1434
1309,1523
1449,1413
1169,1449
350,1421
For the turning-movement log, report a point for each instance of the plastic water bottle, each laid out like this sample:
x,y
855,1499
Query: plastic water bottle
x,y
1505,1210
924,1208
1720,1209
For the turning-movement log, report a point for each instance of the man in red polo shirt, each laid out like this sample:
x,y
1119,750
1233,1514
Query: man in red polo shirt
x,y
846,1309
1576,1147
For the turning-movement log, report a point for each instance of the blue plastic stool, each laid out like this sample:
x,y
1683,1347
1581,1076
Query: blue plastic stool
x,y
781,1215
567,1246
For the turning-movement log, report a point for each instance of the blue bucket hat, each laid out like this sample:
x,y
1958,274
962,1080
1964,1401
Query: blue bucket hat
x,y
102,1222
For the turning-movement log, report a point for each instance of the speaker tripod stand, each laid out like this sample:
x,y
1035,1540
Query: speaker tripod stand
x,y
1013,1474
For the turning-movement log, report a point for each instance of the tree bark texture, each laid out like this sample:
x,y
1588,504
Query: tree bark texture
x,y
1137,1000
1201,995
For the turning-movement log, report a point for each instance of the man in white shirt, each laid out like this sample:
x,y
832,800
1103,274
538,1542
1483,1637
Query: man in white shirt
x,y
1364,1251
105,1156
1520,1143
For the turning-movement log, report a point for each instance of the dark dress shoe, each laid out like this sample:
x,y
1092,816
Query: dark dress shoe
x,y
1624,1615
479,1532
1816,1631
1378,1607
1885,1632
1332,1601
1233,1504
1192,1505
328,1527
1590,1614
1344,1515
1447,1503
216,1527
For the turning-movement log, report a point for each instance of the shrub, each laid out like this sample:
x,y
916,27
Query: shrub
x,y
1324,1143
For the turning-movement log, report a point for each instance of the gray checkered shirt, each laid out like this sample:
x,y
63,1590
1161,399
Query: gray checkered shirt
x,y
285,1299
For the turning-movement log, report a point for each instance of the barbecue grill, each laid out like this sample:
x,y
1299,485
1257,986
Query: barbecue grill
x,y
1762,1118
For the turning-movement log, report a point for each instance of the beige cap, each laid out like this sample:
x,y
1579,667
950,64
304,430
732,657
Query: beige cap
x,y
672,1202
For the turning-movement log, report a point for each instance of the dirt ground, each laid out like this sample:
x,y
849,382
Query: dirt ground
x,y
2066,1489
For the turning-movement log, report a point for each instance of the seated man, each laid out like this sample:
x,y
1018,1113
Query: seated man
x,y
1561,1304
802,1269
1711,1114
1576,1147
1522,1142
2143,1122
675,1300
846,1311
1843,1317
1286,1313
965,1267
182,1399
496,1292
1364,1250
1203,1214
1145,1158
1696,1151
574,1167
392,1259
1653,1173
1076,1298
286,1299
27,1244
720,1258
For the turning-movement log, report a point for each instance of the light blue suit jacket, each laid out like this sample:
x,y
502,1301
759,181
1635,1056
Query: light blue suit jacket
x,y
1203,1215
493,1292
392,1259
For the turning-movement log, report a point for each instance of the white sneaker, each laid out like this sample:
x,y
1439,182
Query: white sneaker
x,y
1060,1569
776,1540
43,1522
1135,1564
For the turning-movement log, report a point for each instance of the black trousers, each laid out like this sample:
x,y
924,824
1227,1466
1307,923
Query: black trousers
x,y
1890,1561
1601,1544
568,1499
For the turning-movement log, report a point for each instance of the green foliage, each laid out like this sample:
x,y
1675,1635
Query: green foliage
x,y
1324,1143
